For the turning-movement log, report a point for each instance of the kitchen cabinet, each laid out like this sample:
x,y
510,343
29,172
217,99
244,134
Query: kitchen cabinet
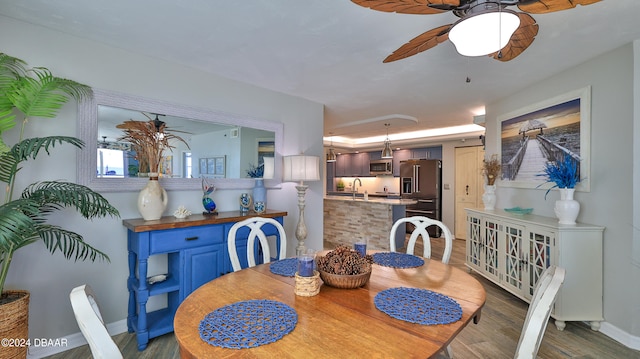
x,y
343,165
352,165
375,155
357,164
429,153
400,155
331,175
432,153
360,164
196,252
513,251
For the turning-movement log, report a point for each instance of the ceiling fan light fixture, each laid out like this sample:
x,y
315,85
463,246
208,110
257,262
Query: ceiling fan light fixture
x,y
484,32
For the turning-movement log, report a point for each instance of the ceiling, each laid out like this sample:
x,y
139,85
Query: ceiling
x,y
331,52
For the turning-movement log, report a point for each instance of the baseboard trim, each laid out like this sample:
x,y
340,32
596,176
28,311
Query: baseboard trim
x,y
72,341
619,335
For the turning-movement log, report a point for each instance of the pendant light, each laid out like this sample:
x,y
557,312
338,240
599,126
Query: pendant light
x,y
386,151
331,156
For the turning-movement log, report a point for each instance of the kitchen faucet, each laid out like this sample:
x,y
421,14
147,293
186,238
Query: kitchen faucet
x,y
354,188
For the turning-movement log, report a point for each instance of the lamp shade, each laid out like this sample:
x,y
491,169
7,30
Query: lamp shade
x,y
269,167
484,33
301,168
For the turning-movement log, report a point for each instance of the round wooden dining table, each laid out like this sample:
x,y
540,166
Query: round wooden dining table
x,y
336,323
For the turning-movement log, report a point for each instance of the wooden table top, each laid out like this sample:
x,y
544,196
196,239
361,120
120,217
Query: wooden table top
x,y
340,323
171,222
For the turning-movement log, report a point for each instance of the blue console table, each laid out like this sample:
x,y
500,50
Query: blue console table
x,y
196,249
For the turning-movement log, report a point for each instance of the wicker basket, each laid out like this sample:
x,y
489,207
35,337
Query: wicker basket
x,y
14,323
307,286
345,281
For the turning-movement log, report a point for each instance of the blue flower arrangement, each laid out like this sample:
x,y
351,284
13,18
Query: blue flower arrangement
x,y
564,173
255,171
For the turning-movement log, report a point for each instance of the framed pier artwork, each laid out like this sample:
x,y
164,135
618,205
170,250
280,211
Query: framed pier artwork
x,y
532,136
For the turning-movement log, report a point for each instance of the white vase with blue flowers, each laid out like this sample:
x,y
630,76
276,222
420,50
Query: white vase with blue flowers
x,y
259,190
564,173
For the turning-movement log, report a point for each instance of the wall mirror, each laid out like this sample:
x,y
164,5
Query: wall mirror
x,y
221,145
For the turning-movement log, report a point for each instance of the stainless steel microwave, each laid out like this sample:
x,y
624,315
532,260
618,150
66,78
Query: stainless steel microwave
x,y
381,167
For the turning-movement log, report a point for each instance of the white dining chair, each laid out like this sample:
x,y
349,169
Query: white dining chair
x,y
421,224
255,226
89,318
539,311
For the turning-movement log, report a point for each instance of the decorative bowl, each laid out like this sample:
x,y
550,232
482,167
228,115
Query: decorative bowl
x,y
518,210
345,281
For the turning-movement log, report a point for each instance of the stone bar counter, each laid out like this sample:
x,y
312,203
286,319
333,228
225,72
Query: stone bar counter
x,y
347,220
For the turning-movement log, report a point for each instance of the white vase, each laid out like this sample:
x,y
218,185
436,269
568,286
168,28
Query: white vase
x,y
567,208
152,199
489,197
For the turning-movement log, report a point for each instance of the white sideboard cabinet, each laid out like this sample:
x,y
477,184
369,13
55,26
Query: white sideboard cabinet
x,y
513,251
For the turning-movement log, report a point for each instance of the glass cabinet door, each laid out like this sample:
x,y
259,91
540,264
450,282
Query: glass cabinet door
x,y
514,256
491,263
540,243
474,241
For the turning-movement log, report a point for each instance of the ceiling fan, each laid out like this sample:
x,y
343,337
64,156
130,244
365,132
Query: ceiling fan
x,y
511,32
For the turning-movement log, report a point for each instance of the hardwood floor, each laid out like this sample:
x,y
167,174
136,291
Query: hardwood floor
x,y
495,337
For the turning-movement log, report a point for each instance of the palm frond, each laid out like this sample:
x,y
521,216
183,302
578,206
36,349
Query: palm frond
x,y
17,223
11,69
7,116
57,194
70,244
30,147
44,95
8,166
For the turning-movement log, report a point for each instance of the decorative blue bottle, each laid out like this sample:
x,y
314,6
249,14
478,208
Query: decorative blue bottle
x,y
207,200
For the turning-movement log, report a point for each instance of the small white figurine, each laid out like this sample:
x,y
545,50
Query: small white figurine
x,y
182,212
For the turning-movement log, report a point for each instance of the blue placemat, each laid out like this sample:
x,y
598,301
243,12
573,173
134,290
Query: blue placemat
x,y
286,267
418,306
248,324
397,260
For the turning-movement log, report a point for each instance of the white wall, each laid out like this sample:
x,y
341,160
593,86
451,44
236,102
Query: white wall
x,y
613,159
51,278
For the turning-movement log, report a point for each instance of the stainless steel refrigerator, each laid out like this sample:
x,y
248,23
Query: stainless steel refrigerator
x,y
421,180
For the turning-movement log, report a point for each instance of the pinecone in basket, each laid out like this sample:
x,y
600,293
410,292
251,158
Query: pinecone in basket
x,y
345,261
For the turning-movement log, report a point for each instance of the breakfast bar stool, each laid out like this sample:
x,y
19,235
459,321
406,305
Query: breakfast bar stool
x,y
421,224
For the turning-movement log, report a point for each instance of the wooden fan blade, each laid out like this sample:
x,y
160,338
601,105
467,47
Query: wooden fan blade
x,y
420,7
547,6
520,40
420,43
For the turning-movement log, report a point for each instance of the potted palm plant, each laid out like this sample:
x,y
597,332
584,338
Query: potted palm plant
x,y
28,94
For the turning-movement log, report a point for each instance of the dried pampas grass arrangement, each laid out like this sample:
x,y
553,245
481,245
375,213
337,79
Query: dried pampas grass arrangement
x,y
491,169
149,139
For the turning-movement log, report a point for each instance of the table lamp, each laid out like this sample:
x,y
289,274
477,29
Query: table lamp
x,y
301,168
